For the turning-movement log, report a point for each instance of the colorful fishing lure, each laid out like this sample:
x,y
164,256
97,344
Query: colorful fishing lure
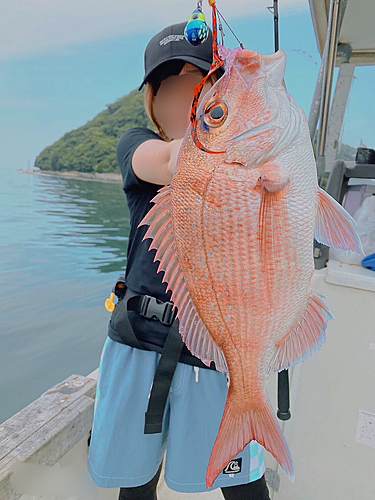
x,y
216,64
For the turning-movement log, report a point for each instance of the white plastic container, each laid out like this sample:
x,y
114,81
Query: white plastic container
x,y
331,433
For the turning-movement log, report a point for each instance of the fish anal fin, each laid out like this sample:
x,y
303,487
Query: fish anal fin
x,y
199,341
307,337
335,227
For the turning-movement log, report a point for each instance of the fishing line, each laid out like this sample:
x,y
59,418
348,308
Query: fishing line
x,y
222,34
220,15
306,53
216,64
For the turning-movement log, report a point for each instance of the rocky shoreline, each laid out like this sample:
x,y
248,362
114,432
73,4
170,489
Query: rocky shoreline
x,y
97,176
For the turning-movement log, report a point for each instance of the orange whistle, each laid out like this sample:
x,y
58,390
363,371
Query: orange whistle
x,y
109,304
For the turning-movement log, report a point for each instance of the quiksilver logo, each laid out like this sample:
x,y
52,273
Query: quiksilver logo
x,y
234,466
171,38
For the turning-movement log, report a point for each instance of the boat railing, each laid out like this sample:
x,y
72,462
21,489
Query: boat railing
x,y
39,435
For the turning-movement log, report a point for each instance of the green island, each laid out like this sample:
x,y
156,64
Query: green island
x,y
92,147
90,150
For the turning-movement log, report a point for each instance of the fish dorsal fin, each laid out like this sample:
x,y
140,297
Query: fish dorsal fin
x,y
305,338
192,329
335,227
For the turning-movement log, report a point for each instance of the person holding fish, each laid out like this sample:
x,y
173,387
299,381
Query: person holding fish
x,y
121,454
234,235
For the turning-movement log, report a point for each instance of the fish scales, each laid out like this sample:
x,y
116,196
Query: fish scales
x,y
239,227
218,234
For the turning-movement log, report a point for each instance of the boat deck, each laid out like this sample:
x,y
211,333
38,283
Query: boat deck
x,y
44,447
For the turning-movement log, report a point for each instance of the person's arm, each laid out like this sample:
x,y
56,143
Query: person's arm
x,y
155,160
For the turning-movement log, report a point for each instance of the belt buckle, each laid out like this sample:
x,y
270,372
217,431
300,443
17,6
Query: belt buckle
x,y
169,313
153,308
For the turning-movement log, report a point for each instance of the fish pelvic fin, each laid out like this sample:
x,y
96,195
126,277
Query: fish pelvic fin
x,y
237,430
308,336
192,329
335,227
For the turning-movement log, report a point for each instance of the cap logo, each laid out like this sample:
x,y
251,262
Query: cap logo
x,y
171,38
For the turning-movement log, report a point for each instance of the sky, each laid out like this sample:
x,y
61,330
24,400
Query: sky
x,y
61,62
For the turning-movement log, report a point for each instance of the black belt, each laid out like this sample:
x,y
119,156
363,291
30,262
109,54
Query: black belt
x,y
152,308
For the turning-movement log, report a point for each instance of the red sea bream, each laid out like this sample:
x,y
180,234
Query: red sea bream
x,y
234,235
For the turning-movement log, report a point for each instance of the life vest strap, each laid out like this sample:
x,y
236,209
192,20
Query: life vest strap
x,y
120,330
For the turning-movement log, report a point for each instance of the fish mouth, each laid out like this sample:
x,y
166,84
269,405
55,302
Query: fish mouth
x,y
287,122
275,65
281,128
251,65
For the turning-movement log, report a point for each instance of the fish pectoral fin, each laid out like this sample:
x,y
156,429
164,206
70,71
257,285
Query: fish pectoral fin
x,y
192,329
274,226
307,337
335,227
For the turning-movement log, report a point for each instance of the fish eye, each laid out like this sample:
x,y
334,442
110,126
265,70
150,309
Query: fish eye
x,y
215,113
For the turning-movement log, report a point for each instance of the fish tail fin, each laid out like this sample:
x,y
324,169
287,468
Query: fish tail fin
x,y
237,430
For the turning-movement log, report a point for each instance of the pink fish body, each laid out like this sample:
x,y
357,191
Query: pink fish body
x,y
234,235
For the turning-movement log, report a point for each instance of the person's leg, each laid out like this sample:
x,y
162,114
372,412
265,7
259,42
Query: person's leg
x,y
121,454
197,402
145,492
256,490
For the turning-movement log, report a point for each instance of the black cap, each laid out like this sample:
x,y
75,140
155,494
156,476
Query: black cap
x,y
170,44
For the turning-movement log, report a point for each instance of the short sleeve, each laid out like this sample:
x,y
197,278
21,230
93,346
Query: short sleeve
x,y
127,144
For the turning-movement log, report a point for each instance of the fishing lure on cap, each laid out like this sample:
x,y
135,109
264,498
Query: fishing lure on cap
x,y
216,64
196,29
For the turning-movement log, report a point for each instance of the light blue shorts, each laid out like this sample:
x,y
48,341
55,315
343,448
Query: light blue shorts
x,y
121,455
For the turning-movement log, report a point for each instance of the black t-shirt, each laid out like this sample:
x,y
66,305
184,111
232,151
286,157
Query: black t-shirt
x,y
141,274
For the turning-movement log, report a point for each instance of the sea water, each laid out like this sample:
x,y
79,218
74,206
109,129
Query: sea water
x,y
63,243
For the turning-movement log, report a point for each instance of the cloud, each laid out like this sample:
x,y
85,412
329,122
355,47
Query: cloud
x,y
33,27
